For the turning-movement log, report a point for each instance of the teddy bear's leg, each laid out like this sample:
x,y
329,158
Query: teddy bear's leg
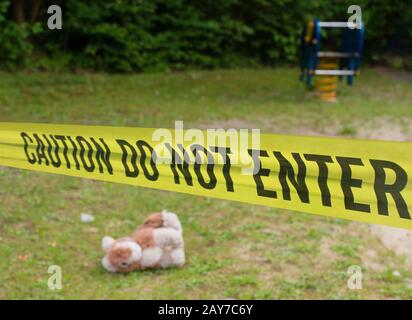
x,y
170,220
151,257
178,257
168,238
166,261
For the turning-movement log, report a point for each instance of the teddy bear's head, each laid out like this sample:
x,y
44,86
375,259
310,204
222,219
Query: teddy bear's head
x,y
122,255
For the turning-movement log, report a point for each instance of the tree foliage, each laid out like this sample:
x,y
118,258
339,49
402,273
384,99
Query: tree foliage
x,y
139,35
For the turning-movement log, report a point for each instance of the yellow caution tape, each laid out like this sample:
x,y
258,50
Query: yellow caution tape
x,y
343,178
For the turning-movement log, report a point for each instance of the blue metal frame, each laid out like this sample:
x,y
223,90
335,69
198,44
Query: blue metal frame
x,y
351,43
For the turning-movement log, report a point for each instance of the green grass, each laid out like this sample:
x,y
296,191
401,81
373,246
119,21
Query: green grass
x,y
233,250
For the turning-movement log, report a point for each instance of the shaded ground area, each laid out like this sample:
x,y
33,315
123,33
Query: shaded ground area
x,y
400,75
234,250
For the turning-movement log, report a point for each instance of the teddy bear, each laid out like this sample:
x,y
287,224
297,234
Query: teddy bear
x,y
157,243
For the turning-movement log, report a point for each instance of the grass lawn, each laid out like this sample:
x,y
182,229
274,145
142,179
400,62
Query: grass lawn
x,y
233,250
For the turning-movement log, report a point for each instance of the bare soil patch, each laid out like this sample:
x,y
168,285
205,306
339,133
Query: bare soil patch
x,y
399,75
395,239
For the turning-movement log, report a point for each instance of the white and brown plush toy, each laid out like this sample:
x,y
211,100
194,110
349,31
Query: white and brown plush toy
x,y
158,243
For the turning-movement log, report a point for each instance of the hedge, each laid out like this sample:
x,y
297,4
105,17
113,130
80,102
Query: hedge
x,y
141,35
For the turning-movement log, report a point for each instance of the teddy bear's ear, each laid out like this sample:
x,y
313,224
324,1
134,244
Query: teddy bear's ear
x,y
107,242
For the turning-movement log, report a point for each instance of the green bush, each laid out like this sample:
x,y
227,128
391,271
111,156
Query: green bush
x,y
140,35
15,47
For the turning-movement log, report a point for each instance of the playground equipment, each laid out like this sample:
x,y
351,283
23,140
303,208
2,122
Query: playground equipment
x,y
324,67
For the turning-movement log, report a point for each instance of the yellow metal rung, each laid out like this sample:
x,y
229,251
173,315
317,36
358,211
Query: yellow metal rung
x,y
331,87
326,85
327,66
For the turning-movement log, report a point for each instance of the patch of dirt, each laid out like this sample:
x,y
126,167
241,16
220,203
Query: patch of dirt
x,y
246,253
268,269
326,254
377,129
370,259
229,124
277,125
28,226
397,240
399,75
385,129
